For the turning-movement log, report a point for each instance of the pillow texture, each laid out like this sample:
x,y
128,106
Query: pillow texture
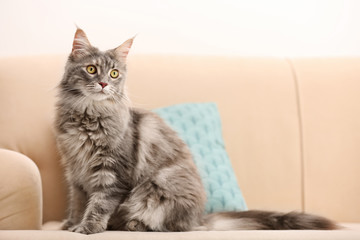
x,y
199,125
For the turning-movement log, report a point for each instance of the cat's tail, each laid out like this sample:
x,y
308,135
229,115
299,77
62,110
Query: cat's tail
x,y
263,220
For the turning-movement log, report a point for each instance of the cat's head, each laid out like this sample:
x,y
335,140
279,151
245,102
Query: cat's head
x,y
92,74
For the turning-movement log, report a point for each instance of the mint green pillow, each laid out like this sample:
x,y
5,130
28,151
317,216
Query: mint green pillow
x,y
199,125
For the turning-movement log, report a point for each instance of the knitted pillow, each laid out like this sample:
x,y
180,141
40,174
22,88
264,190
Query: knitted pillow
x,y
199,125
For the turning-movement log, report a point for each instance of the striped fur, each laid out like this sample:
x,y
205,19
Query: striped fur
x,y
125,168
264,220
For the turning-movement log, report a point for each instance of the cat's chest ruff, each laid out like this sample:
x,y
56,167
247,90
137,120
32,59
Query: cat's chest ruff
x,y
92,129
91,162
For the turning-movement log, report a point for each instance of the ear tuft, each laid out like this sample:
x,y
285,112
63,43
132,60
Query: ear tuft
x,y
81,44
123,50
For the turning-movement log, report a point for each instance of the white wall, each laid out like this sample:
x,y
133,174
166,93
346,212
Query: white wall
x,y
223,27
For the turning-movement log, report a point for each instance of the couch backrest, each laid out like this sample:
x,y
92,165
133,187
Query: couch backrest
x,y
291,128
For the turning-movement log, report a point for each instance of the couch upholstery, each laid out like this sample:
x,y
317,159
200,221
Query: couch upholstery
x,y
291,128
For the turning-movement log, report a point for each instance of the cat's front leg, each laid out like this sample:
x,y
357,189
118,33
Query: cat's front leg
x,y
97,214
77,203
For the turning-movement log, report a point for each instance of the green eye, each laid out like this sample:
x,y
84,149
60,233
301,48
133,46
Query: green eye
x,y
91,69
114,73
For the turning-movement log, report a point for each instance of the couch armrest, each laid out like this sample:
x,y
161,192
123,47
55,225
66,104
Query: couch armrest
x,y
20,192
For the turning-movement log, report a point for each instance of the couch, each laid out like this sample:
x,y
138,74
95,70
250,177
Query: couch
x,y
291,128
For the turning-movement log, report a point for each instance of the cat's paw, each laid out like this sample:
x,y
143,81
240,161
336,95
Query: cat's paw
x,y
88,228
135,225
66,224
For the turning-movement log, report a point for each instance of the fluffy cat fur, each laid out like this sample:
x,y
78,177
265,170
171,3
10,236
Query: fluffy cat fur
x,y
125,168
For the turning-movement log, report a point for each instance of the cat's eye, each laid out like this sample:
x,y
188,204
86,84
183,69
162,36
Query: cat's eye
x,y
91,69
114,73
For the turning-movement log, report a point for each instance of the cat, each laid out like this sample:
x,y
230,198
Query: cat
x,y
125,168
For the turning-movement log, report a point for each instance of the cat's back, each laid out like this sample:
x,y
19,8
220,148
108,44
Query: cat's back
x,y
163,157
159,146
150,124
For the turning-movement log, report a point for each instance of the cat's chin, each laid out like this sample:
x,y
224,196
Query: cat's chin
x,y
100,96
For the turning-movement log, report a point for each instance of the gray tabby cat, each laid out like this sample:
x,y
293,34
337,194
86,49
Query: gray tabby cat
x,y
125,168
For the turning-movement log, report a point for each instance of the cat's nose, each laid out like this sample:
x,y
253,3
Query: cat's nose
x,y
102,84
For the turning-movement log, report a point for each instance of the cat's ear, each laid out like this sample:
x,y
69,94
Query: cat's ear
x,y
81,44
123,50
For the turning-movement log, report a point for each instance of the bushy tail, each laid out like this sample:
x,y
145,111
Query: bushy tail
x,y
263,220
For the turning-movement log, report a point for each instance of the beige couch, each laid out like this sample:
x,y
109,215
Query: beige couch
x,y
291,128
